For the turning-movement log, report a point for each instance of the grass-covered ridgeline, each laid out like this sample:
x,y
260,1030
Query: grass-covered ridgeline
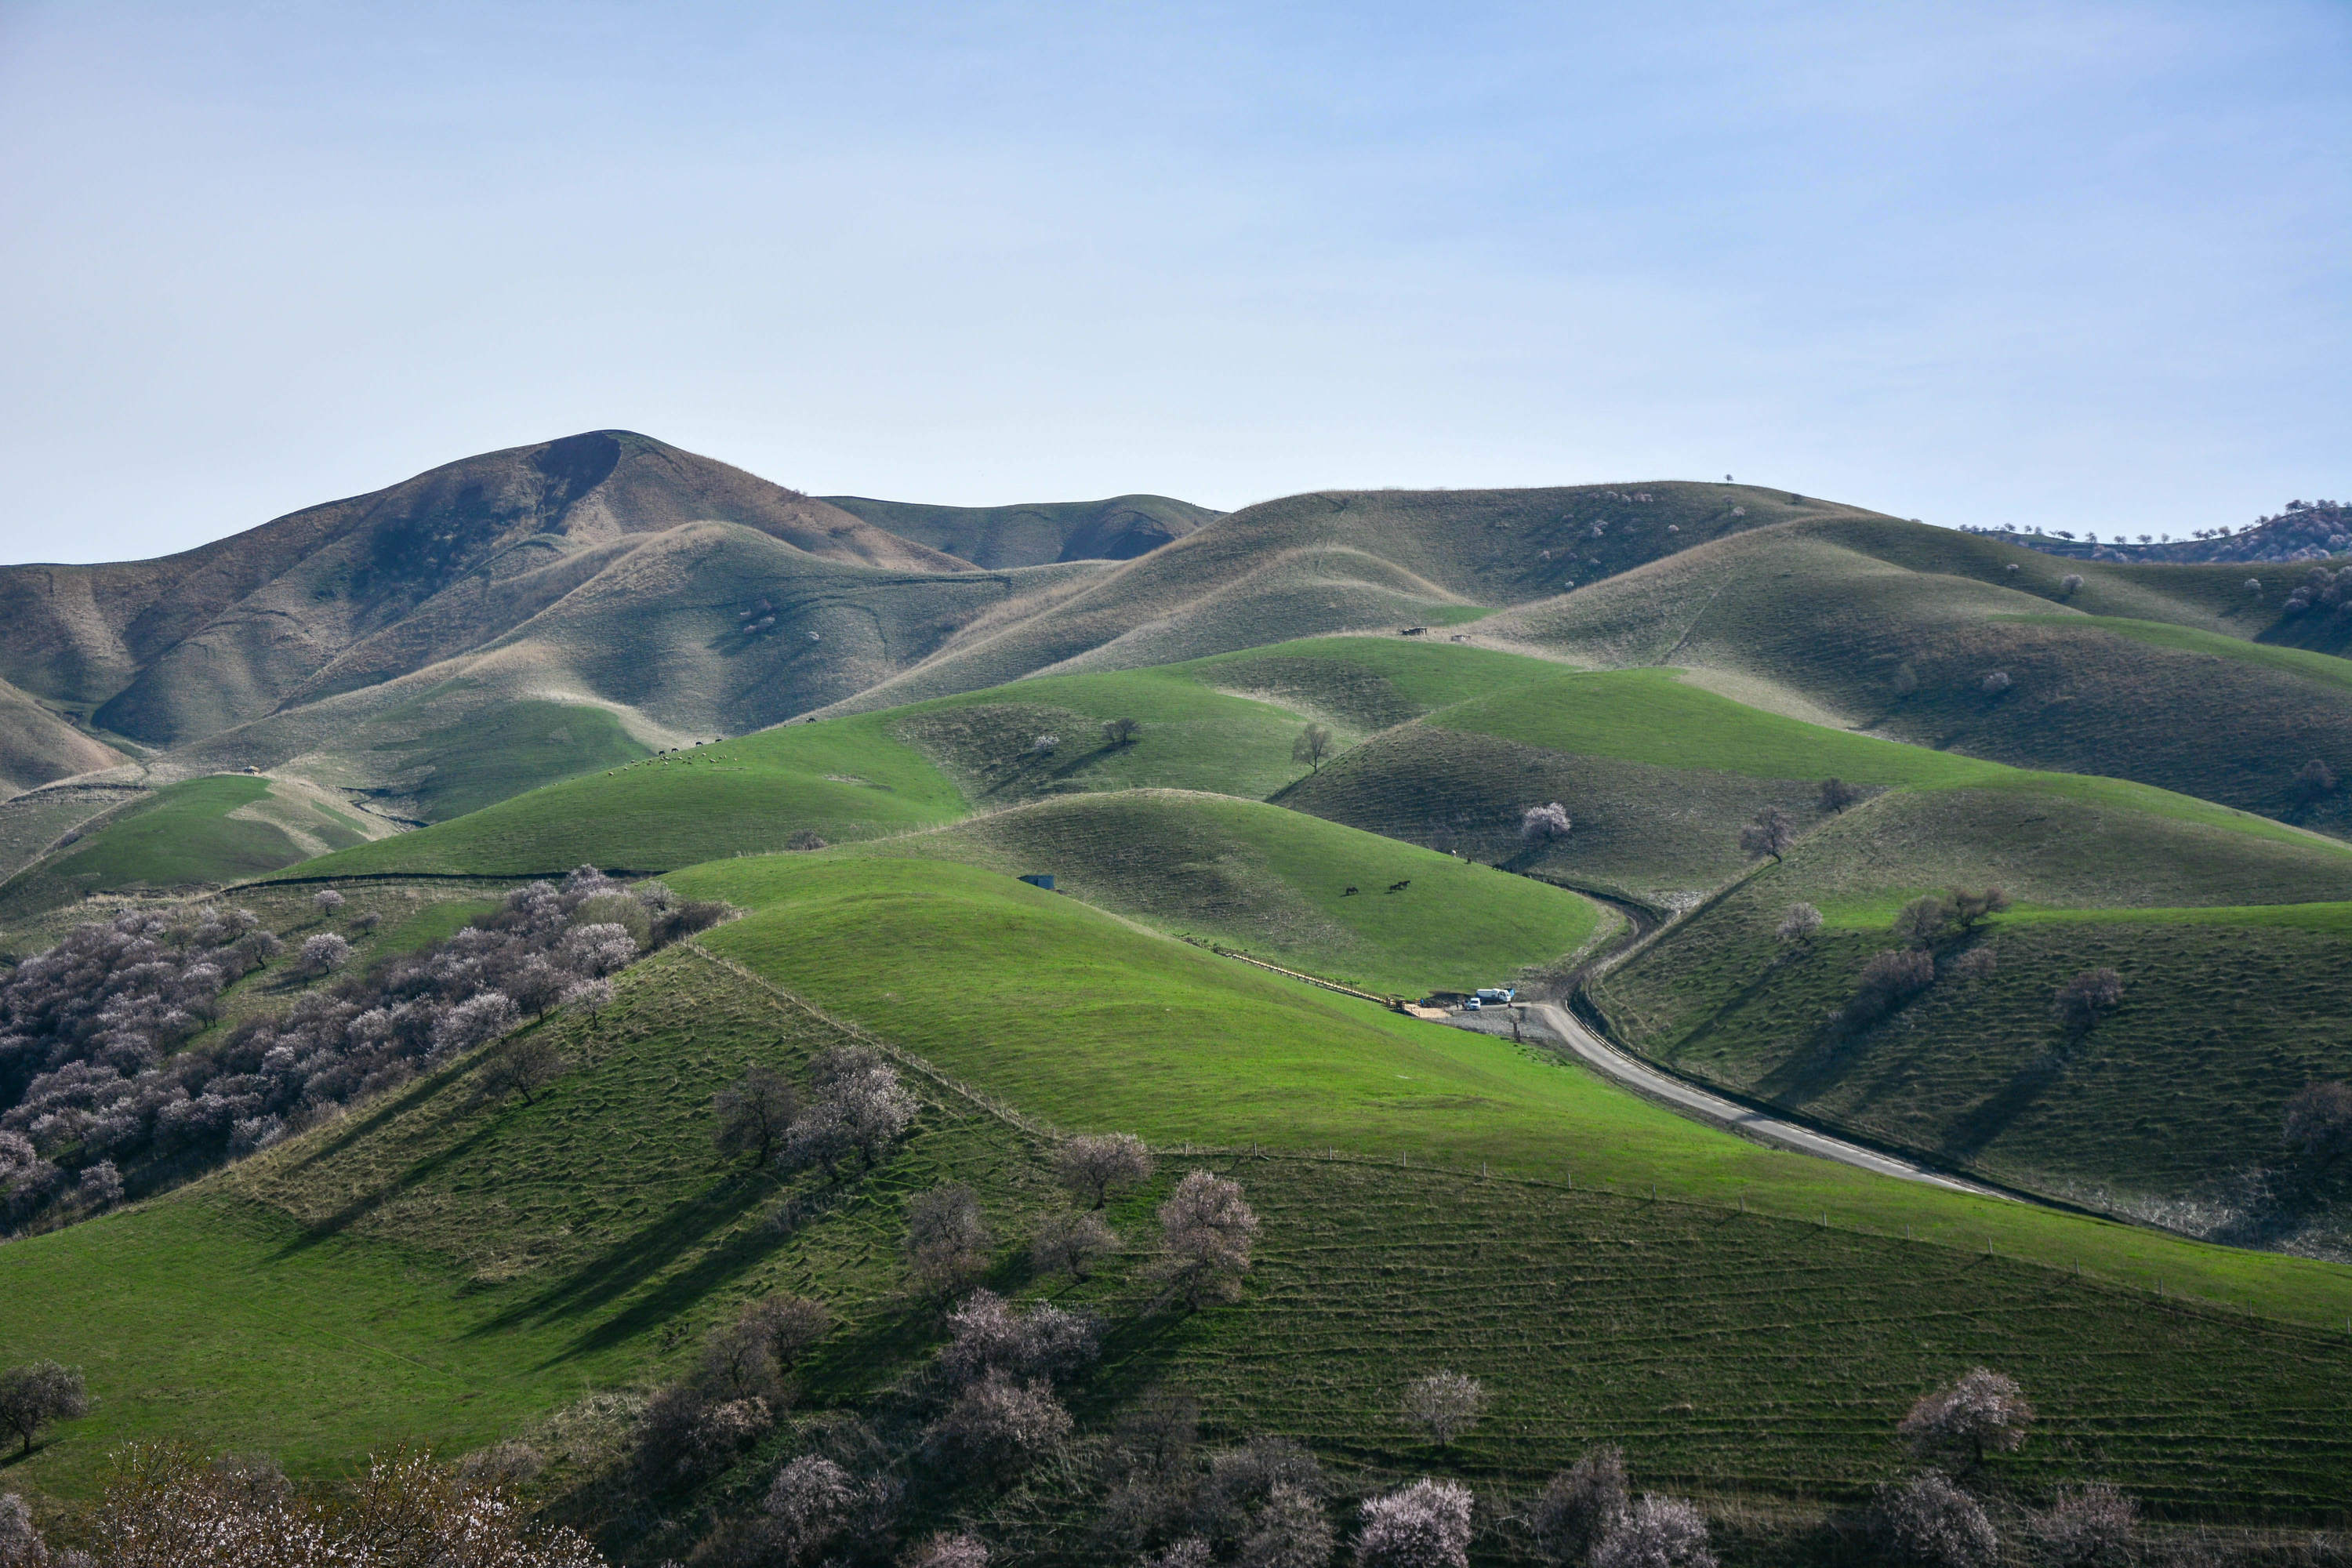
x,y
220,828
1080,1018
1298,890
1673,762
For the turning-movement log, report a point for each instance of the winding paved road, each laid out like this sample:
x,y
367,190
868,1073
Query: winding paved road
x,y
1608,1060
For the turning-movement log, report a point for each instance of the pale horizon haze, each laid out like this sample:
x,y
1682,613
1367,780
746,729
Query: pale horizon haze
x,y
2076,265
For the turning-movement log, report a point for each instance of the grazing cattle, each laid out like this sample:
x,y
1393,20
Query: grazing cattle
x,y
1348,892
1400,887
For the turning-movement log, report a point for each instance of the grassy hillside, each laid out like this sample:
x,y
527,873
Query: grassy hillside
x,y
1277,884
1076,1016
2169,1110
207,830
844,780
1037,533
1895,628
1346,560
455,1269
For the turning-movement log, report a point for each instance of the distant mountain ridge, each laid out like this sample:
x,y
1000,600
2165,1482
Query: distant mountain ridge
x,y
1037,533
2305,531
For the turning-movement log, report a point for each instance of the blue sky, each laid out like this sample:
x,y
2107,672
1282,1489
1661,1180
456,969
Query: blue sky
x,y
2076,264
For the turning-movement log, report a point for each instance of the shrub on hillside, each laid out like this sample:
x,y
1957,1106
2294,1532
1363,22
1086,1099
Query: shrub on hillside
x,y
747,1358
1544,823
1207,1230
1240,1482
947,1241
1424,1525
805,839
2315,781
685,1434
1769,832
754,1113
525,1066
1581,1505
1921,920
1290,1529
1975,964
1928,1523
816,1510
2069,583
1887,981
1121,731
998,1427
2094,1526
1798,923
860,1109
1837,795
326,900
2084,1000
1980,1411
1971,909
1656,1532
1995,682
1068,1241
40,1394
2319,1122
21,1546
956,1549
1093,1165
1040,1342
1444,1404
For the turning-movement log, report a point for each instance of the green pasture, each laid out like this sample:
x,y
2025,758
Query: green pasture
x,y
1075,1017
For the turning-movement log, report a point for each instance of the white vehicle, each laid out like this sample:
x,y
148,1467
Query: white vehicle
x,y
1494,996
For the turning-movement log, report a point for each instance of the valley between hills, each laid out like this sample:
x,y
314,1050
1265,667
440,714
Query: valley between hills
x,y
487,957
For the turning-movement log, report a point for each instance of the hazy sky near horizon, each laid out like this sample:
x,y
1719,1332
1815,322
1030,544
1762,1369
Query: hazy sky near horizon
x,y
2075,265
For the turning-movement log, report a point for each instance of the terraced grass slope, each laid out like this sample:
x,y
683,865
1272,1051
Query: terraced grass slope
x,y
1077,1016
1898,629
458,1270
1307,894
212,830
1037,533
2169,1110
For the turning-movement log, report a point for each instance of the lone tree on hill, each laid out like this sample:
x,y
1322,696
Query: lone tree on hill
x,y
1769,833
2315,782
2069,583
1314,744
1207,1229
2319,1122
1837,794
1424,1525
1090,1167
1920,922
1121,731
1582,1504
529,1065
754,1113
1798,923
946,1240
1971,910
1068,1241
1542,824
2090,995
1928,1523
1656,1533
37,1395
1979,1410
1444,1404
